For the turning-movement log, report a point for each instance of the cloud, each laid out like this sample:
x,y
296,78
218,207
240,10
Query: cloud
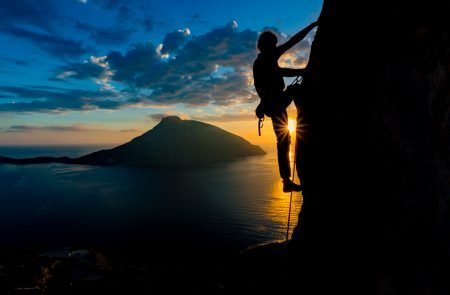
x,y
96,68
63,128
225,118
195,75
159,116
55,46
108,35
298,56
214,68
87,69
148,24
66,74
55,100
174,40
140,66
54,128
222,118
39,14
39,22
126,23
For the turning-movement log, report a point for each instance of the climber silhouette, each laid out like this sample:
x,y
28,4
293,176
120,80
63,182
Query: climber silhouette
x,y
269,84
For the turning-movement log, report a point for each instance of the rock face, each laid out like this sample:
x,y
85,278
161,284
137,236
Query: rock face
x,y
172,141
376,163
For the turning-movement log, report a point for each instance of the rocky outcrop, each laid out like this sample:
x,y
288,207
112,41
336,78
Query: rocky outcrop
x,y
376,160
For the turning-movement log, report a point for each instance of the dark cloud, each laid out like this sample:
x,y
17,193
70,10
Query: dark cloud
x,y
159,116
213,68
140,66
219,118
125,25
33,99
174,40
39,23
224,118
55,46
71,128
40,14
193,76
106,36
126,16
148,24
80,71
225,46
63,128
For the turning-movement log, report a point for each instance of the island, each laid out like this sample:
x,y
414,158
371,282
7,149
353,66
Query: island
x,y
172,141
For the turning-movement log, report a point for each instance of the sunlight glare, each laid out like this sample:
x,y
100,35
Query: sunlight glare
x,y
291,126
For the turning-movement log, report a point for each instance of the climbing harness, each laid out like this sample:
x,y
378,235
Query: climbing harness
x,y
260,112
293,177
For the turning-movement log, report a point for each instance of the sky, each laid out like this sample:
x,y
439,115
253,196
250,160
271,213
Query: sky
x,y
90,72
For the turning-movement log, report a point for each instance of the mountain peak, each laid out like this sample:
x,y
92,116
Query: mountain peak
x,y
176,141
171,119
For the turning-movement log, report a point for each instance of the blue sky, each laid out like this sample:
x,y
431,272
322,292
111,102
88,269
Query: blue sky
x,y
104,71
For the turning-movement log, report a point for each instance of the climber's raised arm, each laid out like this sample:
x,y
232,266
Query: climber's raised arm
x,y
286,72
296,38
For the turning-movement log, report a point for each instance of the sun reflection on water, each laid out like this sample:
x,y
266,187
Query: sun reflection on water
x,y
278,206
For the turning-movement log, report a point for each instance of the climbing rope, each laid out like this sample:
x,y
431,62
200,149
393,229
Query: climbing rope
x,y
293,178
298,79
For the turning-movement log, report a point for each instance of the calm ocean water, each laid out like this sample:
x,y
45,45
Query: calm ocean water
x,y
230,205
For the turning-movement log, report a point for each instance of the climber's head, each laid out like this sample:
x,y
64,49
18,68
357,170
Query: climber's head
x,y
267,41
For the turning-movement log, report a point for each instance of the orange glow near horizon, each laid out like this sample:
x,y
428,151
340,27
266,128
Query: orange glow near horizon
x,y
116,133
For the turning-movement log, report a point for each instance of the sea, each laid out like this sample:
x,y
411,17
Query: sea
x,y
229,206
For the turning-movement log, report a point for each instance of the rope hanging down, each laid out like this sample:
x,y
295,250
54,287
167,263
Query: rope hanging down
x,y
297,80
293,178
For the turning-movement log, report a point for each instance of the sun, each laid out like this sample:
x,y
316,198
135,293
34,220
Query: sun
x,y
291,126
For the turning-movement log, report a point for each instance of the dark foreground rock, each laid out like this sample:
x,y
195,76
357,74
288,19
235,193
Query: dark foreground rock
x,y
260,270
102,271
376,156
